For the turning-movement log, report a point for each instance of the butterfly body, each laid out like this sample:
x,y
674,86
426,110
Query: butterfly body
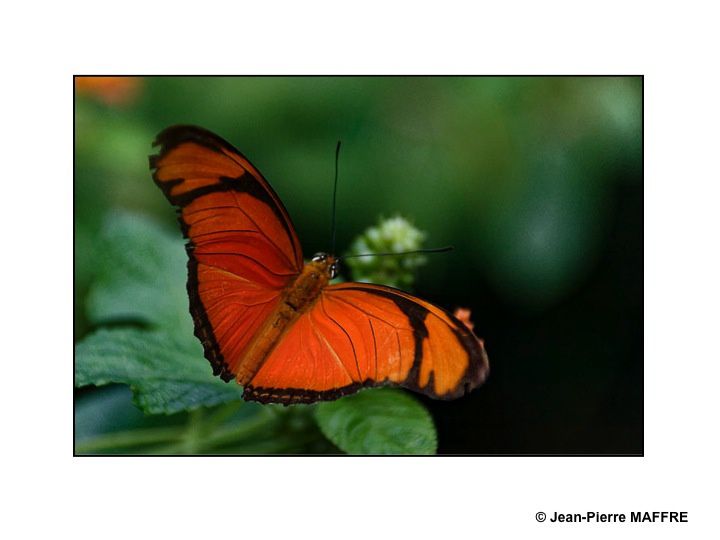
x,y
296,299
276,324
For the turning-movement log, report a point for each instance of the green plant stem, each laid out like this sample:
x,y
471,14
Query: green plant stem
x,y
222,414
203,434
124,439
243,438
268,447
259,424
194,431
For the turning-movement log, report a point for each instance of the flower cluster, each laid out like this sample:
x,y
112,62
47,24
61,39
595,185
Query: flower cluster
x,y
392,235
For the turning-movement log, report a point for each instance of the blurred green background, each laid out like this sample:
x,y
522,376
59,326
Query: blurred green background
x,y
536,181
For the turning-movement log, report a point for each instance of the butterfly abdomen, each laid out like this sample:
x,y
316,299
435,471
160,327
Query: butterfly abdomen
x,y
297,298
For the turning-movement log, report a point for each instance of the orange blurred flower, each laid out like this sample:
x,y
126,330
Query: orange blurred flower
x,y
109,90
463,315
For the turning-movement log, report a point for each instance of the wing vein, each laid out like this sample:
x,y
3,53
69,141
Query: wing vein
x,y
400,355
206,209
233,155
357,365
374,347
221,231
233,276
333,352
209,307
237,203
228,254
365,312
405,297
233,327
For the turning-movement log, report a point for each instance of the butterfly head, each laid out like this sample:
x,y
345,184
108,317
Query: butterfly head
x,y
326,263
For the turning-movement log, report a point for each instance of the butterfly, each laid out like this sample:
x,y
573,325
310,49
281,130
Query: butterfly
x,y
275,323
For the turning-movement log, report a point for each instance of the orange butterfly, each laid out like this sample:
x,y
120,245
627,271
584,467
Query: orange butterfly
x,y
274,323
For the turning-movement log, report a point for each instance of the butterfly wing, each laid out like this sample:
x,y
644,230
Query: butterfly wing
x,y
242,248
358,335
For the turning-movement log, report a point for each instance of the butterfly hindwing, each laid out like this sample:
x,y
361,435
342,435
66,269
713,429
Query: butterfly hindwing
x,y
358,335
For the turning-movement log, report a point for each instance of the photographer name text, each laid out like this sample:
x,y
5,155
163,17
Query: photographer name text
x,y
634,517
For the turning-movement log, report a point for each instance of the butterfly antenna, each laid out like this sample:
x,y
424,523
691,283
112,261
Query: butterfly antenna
x,y
414,252
334,203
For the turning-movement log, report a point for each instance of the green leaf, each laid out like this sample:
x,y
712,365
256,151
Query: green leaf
x,y
166,375
378,422
141,273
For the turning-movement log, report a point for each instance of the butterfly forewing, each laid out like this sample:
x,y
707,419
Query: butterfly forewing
x,y
243,250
